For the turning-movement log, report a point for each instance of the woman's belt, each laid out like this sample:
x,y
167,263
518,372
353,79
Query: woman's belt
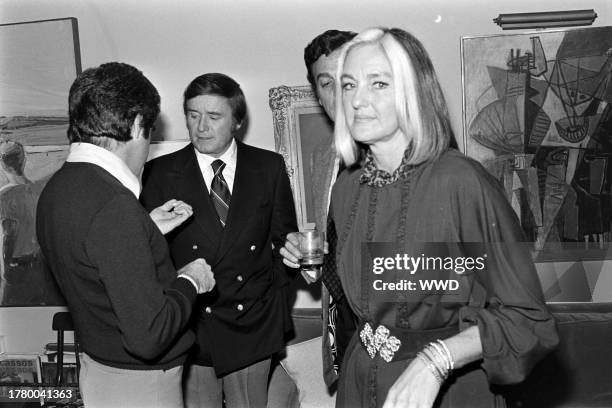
x,y
400,344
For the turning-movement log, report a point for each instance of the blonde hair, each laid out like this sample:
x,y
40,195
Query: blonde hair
x,y
420,105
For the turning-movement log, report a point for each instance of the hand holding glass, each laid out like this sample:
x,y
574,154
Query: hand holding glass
x,y
311,245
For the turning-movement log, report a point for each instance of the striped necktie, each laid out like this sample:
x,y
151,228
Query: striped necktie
x,y
219,192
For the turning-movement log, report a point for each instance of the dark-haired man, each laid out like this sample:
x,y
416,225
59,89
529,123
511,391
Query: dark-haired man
x,y
321,58
243,209
130,309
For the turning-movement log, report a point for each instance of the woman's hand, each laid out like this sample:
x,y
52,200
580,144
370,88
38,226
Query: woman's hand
x,y
415,388
170,215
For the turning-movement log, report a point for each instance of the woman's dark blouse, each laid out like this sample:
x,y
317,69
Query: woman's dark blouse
x,y
452,199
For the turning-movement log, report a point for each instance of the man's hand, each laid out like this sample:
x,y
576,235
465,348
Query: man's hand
x,y
290,252
200,272
292,255
170,215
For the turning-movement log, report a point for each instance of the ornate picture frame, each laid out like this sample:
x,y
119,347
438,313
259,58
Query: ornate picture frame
x,y
302,131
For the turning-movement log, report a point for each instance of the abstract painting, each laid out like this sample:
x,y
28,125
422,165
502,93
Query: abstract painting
x,y
538,116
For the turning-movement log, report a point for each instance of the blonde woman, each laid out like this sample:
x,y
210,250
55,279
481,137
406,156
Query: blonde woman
x,y
432,349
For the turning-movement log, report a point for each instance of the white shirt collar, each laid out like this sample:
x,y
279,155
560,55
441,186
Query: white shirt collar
x,y
229,171
89,153
229,157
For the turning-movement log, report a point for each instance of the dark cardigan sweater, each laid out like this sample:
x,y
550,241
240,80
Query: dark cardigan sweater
x,y
112,264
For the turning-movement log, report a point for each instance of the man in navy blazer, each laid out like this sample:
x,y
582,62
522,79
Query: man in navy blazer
x,y
243,208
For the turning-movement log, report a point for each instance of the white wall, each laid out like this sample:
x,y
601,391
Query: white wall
x,y
28,329
259,43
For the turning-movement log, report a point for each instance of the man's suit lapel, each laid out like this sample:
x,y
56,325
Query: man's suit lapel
x,y
191,187
247,182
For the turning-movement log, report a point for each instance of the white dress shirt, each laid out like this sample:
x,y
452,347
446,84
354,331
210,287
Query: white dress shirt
x,y
229,171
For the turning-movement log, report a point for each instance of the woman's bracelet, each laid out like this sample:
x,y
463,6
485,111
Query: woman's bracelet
x,y
438,358
441,355
429,352
431,365
448,354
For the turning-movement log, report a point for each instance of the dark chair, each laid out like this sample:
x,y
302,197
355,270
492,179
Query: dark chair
x,y
62,321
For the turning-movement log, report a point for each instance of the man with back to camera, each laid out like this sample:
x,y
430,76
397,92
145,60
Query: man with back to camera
x,y
243,209
130,309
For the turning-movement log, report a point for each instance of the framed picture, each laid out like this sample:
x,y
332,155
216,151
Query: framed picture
x,y
40,60
538,114
303,135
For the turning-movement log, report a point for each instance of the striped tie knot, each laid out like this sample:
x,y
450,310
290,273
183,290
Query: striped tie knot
x,y
219,191
218,166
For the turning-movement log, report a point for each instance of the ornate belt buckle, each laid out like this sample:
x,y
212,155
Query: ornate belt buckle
x,y
379,342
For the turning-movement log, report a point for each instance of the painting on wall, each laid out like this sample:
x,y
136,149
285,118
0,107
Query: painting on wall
x,y
39,60
303,135
538,116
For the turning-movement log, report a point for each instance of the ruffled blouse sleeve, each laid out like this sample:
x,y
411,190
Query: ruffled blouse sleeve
x,y
516,328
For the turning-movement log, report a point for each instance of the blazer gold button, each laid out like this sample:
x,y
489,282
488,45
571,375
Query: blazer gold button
x,y
208,309
240,307
239,278
253,247
194,247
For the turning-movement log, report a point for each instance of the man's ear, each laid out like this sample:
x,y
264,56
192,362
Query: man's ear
x,y
237,126
137,131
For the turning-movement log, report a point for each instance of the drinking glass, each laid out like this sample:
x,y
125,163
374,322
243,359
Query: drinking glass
x,y
311,244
